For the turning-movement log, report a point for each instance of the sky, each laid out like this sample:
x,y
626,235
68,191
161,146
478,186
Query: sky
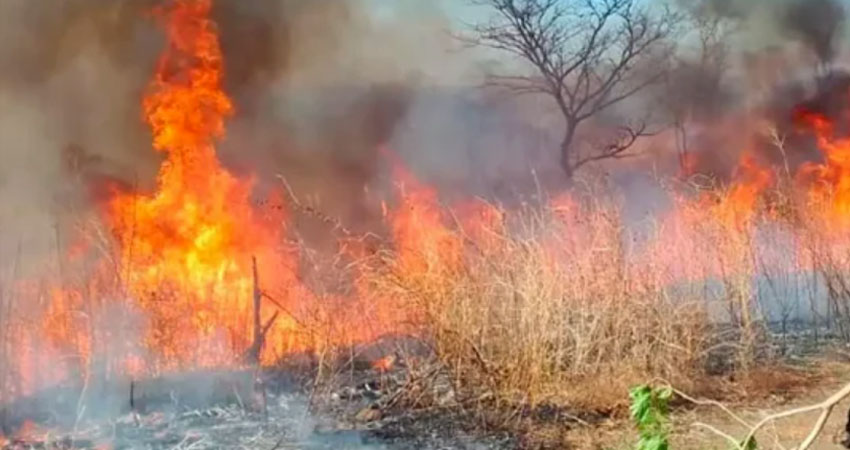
x,y
456,10
428,25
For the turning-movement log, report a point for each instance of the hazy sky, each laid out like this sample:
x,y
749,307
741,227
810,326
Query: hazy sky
x,y
457,10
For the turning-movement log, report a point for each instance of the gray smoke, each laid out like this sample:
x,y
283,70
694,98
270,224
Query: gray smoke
x,y
319,87
817,23
764,59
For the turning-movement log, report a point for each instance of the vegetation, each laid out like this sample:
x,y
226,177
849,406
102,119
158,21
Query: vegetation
x,y
587,57
650,412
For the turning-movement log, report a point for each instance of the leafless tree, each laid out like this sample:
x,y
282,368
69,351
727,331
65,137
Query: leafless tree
x,y
587,55
694,89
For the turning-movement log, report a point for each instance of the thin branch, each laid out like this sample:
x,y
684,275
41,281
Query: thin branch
x,y
616,150
586,55
280,306
735,444
707,402
825,406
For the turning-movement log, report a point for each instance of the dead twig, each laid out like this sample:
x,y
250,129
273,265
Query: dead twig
x,y
280,306
825,407
718,432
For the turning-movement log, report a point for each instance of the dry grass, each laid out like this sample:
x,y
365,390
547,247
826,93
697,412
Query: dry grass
x,y
549,307
564,305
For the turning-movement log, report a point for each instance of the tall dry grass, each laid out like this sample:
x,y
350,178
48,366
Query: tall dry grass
x,y
551,305
565,303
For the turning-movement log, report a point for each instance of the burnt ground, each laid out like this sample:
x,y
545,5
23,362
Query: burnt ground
x,y
237,414
360,407
811,366
786,433
357,406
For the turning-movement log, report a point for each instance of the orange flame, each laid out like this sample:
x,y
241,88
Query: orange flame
x,y
384,364
738,205
423,241
187,248
185,252
829,181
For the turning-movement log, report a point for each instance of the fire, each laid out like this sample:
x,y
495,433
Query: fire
x,y
423,241
187,248
183,255
829,182
737,206
384,364
180,259
30,431
482,223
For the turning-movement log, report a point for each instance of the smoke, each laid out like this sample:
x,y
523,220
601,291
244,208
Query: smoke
x,y
66,79
319,87
818,24
744,69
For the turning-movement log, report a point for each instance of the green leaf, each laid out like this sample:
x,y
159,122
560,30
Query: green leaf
x,y
751,444
653,443
649,411
641,403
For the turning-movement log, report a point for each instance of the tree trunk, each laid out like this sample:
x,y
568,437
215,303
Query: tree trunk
x,y
567,152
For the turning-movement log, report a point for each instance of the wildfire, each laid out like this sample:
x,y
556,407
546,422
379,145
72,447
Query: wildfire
x,y
184,254
829,181
181,258
737,207
423,241
187,247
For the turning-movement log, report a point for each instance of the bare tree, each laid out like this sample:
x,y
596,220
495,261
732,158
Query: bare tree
x,y
587,55
694,90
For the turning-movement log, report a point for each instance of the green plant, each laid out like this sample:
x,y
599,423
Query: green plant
x,y
650,412
750,444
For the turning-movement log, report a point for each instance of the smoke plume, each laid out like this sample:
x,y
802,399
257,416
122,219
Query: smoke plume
x,y
319,87
745,69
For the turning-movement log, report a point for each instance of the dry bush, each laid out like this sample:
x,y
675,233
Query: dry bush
x,y
547,308
564,304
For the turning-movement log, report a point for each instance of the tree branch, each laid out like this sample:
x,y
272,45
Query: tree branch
x,y
825,407
585,54
618,149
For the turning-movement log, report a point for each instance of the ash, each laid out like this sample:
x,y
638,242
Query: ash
x,y
233,410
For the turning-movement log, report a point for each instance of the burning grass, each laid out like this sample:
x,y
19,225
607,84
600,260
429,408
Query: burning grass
x,y
557,301
539,307
556,304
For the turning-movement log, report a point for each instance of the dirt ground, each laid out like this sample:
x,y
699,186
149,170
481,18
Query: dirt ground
x,y
821,378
